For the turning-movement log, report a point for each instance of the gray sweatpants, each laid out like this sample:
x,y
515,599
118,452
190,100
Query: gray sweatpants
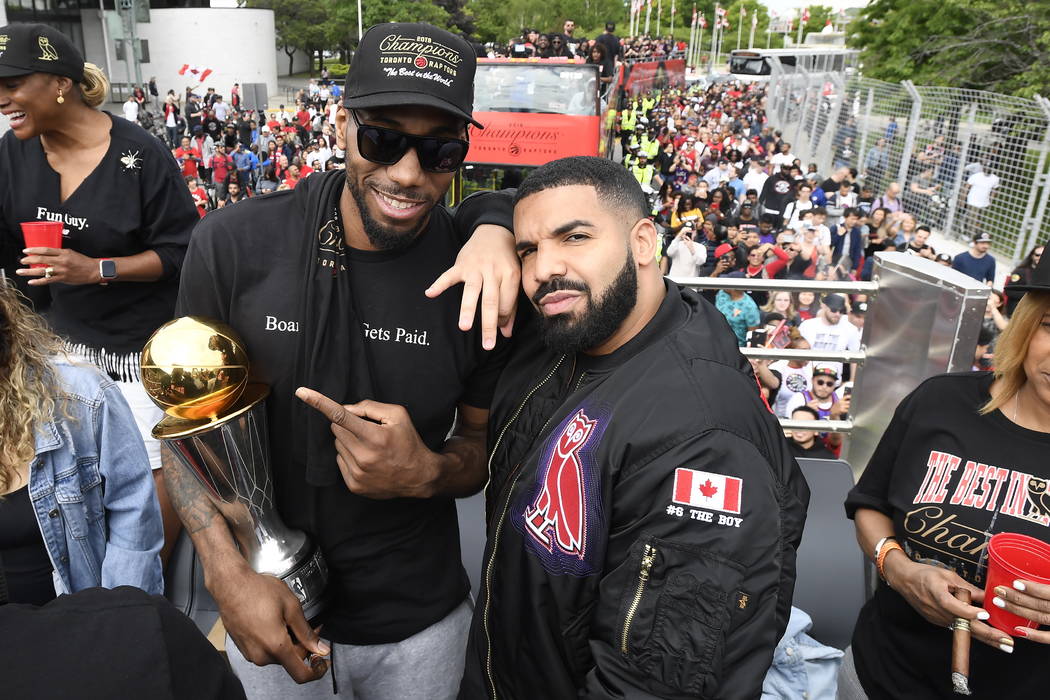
x,y
426,666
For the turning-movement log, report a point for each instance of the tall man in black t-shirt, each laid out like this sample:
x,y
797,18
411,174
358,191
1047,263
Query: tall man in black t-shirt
x,y
328,285
610,41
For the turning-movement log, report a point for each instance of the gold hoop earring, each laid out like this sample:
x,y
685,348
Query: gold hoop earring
x,y
60,98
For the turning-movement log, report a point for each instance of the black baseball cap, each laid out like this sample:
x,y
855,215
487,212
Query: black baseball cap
x,y
1039,280
401,63
834,302
38,48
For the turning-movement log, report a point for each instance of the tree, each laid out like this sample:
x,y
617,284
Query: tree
x,y
300,24
1001,45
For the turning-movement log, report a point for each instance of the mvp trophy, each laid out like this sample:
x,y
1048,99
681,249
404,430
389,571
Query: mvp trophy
x,y
196,370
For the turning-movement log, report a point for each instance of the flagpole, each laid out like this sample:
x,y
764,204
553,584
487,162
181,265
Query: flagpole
x,y
672,21
714,39
659,15
740,27
801,22
692,42
751,38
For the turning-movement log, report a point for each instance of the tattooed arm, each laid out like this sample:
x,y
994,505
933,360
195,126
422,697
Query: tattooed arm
x,y
257,610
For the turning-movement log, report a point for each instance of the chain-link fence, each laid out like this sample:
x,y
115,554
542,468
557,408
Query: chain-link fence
x,y
965,161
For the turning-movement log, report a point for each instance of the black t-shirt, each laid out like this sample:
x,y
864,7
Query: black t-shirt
x,y
815,451
135,200
24,562
394,564
947,476
611,43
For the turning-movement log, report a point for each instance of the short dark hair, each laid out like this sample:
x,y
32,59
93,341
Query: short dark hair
x,y
808,409
819,210
613,184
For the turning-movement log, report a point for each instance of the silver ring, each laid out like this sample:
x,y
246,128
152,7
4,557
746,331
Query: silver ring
x,y
48,272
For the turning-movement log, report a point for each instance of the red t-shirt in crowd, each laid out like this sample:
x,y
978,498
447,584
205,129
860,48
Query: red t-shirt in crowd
x,y
292,183
304,118
220,167
199,195
190,157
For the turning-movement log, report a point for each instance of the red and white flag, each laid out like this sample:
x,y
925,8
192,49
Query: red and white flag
x,y
721,11
743,12
201,74
703,21
805,14
707,490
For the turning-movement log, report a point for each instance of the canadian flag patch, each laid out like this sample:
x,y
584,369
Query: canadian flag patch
x,y
707,490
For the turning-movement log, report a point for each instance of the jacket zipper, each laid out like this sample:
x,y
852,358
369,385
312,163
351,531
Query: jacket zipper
x,y
499,524
648,556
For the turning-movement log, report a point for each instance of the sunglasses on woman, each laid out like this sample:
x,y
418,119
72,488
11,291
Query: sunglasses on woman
x,y
436,154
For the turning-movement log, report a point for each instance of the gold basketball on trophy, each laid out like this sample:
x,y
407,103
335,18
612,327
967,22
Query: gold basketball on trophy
x,y
194,368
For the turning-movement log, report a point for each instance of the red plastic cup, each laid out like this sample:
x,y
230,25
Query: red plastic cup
x,y
42,234
1012,556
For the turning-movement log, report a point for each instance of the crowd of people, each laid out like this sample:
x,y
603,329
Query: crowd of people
x,y
732,200
568,44
228,151
641,500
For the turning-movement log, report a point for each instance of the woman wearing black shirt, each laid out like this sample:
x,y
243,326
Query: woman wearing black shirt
x,y
597,56
126,211
964,457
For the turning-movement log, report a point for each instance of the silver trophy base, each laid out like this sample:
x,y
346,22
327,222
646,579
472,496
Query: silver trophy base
x,y
307,581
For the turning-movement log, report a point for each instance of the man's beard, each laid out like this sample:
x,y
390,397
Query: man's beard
x,y
382,237
565,334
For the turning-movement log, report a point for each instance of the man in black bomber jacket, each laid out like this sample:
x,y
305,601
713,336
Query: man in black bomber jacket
x,y
643,509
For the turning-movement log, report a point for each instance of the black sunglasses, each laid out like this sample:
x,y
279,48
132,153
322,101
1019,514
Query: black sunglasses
x,y
387,146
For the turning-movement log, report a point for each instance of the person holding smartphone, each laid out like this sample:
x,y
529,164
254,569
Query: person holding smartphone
x,y
685,253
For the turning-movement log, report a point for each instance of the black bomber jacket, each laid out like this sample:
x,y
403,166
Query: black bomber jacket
x,y
643,514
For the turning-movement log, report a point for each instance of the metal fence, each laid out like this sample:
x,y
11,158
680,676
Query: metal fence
x,y
946,147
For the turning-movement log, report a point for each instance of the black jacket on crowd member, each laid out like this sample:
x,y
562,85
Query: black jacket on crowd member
x,y
102,643
604,574
778,191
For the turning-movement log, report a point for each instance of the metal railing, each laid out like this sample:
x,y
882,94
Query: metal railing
x,y
777,285
945,147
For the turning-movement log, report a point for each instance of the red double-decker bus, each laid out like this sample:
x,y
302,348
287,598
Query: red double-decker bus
x,y
534,111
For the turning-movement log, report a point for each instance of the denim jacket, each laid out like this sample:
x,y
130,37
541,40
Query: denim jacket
x,y
803,668
92,489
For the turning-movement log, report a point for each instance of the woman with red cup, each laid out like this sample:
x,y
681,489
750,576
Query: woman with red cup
x,y
966,457
117,194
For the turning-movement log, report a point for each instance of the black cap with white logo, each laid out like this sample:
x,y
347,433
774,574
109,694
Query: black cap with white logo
x,y
38,48
412,64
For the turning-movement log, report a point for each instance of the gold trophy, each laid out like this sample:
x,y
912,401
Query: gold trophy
x,y
196,370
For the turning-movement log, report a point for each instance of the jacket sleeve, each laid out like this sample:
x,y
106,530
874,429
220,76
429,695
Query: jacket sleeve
x,y
700,571
484,208
856,248
134,533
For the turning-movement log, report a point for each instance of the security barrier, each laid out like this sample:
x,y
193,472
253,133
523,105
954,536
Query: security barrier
x,y
923,319
944,146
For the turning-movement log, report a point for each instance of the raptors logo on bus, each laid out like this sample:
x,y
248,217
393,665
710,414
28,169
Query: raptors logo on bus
x,y
565,507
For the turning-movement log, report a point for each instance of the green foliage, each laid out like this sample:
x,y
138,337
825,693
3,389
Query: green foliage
x,y
1001,45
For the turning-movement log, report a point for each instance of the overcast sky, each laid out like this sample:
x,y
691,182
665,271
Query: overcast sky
x,y
786,6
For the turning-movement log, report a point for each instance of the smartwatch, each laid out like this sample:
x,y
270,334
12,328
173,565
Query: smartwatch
x,y
107,270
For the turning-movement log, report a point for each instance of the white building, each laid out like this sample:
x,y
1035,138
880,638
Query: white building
x,y
237,44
